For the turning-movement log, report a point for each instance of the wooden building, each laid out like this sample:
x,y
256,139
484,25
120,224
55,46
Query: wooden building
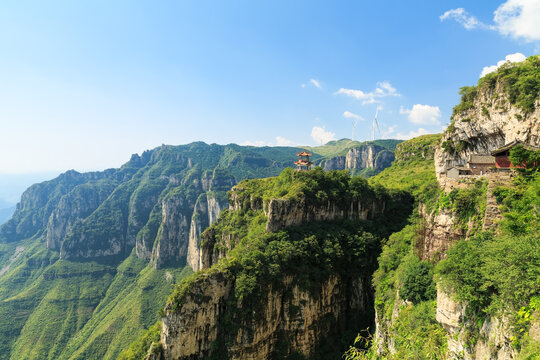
x,y
502,154
303,163
480,164
457,171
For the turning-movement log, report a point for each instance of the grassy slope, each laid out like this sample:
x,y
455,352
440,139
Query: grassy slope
x,y
90,310
415,332
77,310
311,252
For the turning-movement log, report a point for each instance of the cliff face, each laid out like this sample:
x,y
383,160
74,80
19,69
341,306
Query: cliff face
x,y
285,312
362,157
493,338
285,213
488,122
291,320
499,110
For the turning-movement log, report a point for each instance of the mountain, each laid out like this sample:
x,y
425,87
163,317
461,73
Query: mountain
x,y
461,280
458,255
285,271
88,259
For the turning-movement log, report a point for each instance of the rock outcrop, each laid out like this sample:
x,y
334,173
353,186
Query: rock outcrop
x,y
362,157
291,321
206,213
492,340
490,122
284,213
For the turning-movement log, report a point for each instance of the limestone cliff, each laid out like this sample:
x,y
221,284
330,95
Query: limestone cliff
x,y
72,207
362,157
270,309
492,340
487,118
290,321
495,112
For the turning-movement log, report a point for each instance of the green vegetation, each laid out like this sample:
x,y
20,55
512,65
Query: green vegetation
x,y
310,253
104,308
58,309
139,348
521,81
528,160
315,187
341,147
498,274
416,335
466,204
413,170
417,280
468,94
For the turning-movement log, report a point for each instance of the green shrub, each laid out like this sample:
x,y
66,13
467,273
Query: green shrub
x,y
417,280
528,159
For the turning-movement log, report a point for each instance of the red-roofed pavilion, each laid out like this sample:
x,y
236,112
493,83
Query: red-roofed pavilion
x,y
303,163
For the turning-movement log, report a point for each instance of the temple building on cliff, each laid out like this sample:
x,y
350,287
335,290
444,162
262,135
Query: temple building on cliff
x,y
303,163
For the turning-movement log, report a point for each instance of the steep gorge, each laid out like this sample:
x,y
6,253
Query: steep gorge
x,y
231,309
88,259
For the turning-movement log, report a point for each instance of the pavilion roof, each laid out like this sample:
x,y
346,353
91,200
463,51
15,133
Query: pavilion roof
x,y
511,145
481,159
304,153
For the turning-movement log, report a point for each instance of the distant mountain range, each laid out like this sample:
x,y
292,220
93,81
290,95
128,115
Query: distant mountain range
x,y
88,259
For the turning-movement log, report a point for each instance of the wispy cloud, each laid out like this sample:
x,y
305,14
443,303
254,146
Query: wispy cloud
x,y
315,83
512,58
281,141
351,115
468,21
515,18
383,89
321,136
413,133
422,114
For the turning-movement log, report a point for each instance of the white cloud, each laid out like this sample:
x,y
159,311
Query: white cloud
x,y
315,83
321,136
281,141
519,19
515,18
422,114
411,134
383,89
512,58
388,132
351,115
462,16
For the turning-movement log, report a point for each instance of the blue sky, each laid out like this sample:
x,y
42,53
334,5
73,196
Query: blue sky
x,y
85,84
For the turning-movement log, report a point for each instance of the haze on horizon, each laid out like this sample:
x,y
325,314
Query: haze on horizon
x,y
84,85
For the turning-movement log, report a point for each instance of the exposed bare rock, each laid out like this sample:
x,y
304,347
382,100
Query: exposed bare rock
x,y
72,207
171,244
304,320
283,213
493,340
362,157
491,123
206,213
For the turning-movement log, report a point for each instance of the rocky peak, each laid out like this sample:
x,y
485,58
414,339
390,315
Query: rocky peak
x,y
361,157
489,116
